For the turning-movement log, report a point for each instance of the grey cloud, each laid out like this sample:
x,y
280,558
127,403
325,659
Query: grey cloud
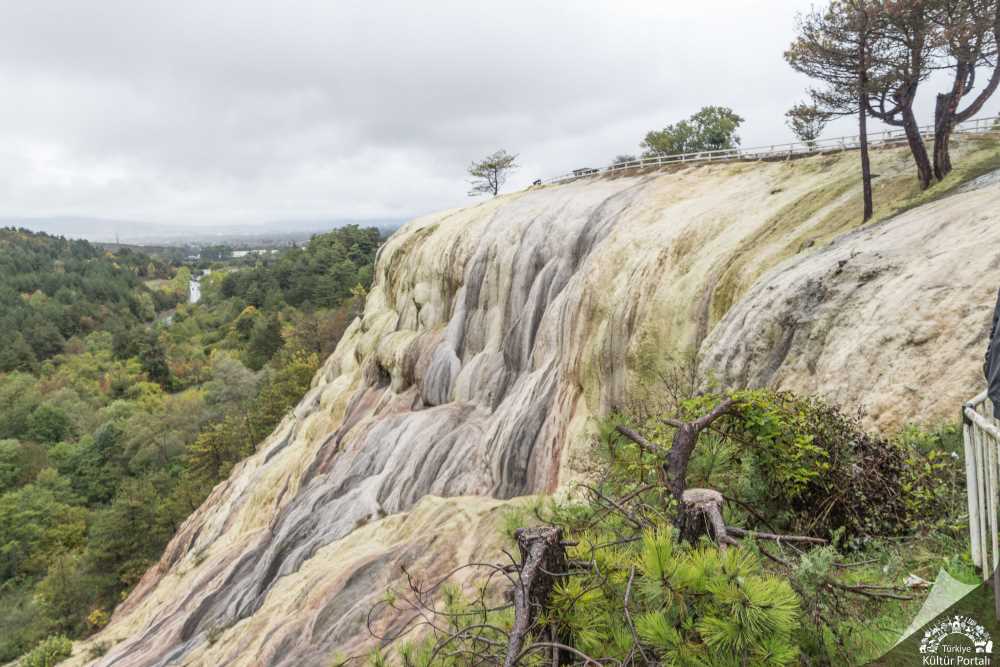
x,y
208,112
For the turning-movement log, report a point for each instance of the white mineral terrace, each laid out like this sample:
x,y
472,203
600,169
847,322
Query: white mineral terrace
x,y
491,338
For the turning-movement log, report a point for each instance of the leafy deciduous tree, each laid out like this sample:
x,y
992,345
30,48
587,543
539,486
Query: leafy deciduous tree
x,y
49,424
711,129
154,360
18,355
265,341
807,122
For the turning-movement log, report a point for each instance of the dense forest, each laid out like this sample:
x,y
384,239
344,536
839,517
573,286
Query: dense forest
x,y
52,289
122,405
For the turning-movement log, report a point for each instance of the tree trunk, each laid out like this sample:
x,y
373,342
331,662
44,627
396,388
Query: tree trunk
x,y
866,167
908,121
678,457
944,120
945,109
917,147
946,113
542,555
676,464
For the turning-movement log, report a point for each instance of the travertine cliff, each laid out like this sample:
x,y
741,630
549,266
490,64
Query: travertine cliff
x,y
893,317
494,334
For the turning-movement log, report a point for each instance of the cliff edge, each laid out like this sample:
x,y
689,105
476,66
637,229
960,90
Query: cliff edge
x,y
494,334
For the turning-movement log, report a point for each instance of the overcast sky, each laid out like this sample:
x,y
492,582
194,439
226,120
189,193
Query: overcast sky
x,y
219,112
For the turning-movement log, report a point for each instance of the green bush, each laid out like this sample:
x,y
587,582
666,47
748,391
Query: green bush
x,y
819,463
933,483
805,464
812,467
50,652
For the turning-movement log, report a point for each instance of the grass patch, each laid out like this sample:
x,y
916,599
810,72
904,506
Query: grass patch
x,y
983,159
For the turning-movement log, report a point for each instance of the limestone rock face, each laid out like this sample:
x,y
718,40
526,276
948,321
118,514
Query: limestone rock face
x,y
494,334
892,318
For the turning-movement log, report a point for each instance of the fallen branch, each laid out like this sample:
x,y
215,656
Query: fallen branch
x,y
740,532
555,645
621,510
862,589
628,615
757,515
858,589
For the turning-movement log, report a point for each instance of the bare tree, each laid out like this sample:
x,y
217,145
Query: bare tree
x,y
836,47
490,173
807,122
970,31
906,40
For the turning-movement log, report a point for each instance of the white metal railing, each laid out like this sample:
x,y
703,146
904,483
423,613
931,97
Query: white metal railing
x,y
777,151
981,434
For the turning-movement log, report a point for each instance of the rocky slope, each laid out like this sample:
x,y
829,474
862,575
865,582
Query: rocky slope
x,y
893,317
493,335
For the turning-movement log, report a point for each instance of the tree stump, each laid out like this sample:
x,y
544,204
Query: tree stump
x,y
700,514
542,556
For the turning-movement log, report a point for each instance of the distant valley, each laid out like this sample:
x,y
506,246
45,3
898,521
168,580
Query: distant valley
x,y
133,232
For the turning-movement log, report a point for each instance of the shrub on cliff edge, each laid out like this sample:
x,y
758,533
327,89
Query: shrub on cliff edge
x,y
49,652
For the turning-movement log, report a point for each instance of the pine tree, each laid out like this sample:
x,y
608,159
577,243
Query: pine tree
x,y
836,47
702,605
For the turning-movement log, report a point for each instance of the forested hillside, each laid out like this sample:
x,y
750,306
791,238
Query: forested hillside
x,y
52,289
121,405
320,275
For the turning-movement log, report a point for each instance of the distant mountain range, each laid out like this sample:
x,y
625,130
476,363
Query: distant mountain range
x,y
152,233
